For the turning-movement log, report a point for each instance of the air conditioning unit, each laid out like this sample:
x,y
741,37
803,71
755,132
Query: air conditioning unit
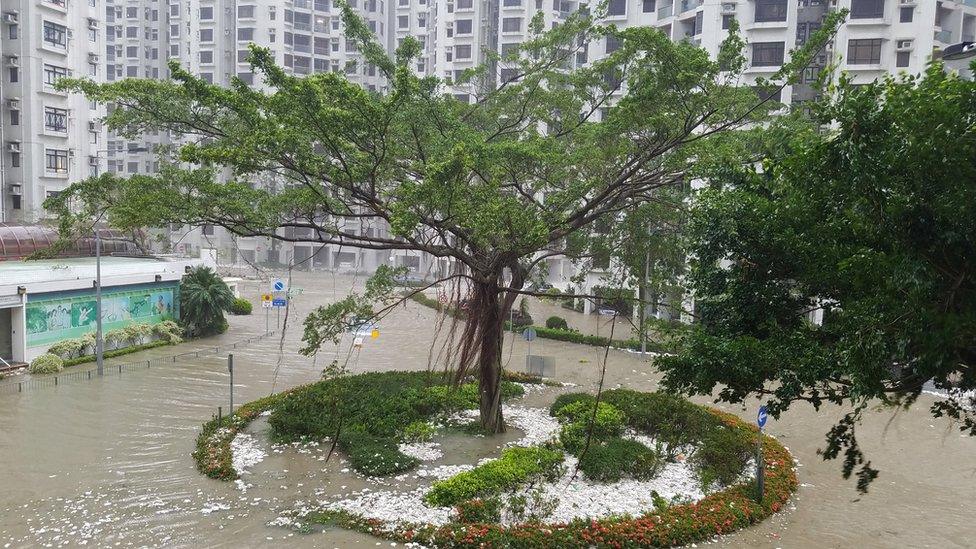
x,y
92,160
904,45
728,7
93,58
13,60
92,23
71,34
71,153
907,2
14,104
13,146
15,189
92,126
10,17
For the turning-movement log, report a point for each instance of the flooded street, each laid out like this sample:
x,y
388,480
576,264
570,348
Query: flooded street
x,y
107,462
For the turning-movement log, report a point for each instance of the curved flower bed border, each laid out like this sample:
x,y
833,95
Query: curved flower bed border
x,y
213,454
720,513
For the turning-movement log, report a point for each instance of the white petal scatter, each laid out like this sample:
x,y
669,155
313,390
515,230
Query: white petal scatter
x,y
424,451
245,452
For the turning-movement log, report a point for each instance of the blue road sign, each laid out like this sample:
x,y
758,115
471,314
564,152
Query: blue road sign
x,y
762,417
529,334
279,302
278,285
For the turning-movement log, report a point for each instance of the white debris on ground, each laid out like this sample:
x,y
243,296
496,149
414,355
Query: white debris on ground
x,y
580,497
424,451
965,398
575,498
245,452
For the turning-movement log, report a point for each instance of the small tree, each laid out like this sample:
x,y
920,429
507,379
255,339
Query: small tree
x,y
204,297
496,186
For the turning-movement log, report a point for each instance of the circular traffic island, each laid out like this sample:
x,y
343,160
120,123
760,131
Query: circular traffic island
x,y
627,469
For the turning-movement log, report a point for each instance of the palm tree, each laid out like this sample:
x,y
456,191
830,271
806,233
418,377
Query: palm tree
x,y
203,299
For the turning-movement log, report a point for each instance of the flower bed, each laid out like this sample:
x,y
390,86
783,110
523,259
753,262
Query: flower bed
x,y
720,513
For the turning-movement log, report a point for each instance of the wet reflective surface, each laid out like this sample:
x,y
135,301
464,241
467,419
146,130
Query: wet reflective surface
x,y
107,462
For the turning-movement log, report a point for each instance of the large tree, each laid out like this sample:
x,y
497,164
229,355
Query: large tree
x,y
495,185
868,216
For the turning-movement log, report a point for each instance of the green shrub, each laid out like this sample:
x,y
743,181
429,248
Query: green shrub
x,y
419,431
670,419
372,412
722,456
67,348
566,399
606,425
168,331
46,364
557,323
240,306
516,466
610,461
479,511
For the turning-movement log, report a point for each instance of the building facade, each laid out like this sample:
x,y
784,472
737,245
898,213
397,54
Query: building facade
x,y
50,138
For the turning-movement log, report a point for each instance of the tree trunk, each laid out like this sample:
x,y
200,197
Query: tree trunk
x,y
481,349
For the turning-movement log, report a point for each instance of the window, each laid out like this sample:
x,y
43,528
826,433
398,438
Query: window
x,y
508,49
208,230
246,77
507,75
767,54
12,33
55,34
52,74
206,14
14,118
132,52
132,32
907,14
867,9
613,44
903,59
770,10
56,160
462,51
132,71
864,51
245,12
617,8
55,120
14,75
512,3
403,21
648,6
511,24
132,167
14,160
727,21
15,201
206,35
245,34
771,93
206,56
465,4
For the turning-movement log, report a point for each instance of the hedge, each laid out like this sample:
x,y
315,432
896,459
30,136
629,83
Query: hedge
x,y
516,466
117,352
720,513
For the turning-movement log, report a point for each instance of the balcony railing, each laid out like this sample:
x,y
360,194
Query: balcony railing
x,y
665,11
687,5
943,36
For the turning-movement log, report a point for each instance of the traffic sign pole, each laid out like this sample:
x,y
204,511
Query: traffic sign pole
x,y
761,418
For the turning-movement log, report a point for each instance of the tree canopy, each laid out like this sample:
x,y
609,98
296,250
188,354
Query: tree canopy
x,y
495,185
868,215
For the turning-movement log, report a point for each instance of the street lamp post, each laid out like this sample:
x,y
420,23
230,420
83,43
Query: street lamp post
x,y
99,339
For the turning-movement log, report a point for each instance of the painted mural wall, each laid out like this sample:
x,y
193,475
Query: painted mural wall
x,y
55,317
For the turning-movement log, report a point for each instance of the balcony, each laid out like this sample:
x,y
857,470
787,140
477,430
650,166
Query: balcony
x,y
943,36
687,5
665,12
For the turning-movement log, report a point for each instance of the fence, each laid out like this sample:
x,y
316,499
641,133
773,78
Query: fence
x,y
18,385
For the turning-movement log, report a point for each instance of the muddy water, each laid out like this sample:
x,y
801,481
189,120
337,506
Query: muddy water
x,y
107,462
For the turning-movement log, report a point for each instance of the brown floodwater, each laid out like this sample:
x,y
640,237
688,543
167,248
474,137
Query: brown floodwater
x,y
107,462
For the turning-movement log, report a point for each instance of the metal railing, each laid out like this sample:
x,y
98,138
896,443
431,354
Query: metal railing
x,y
19,385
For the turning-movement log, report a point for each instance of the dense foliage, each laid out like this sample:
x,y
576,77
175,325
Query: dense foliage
x,y
46,364
370,413
517,466
557,323
241,306
871,222
204,297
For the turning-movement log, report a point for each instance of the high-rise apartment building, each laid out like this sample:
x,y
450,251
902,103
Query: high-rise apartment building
x,y
49,138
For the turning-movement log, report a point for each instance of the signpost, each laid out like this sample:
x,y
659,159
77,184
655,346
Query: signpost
x,y
266,303
529,336
761,418
230,368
